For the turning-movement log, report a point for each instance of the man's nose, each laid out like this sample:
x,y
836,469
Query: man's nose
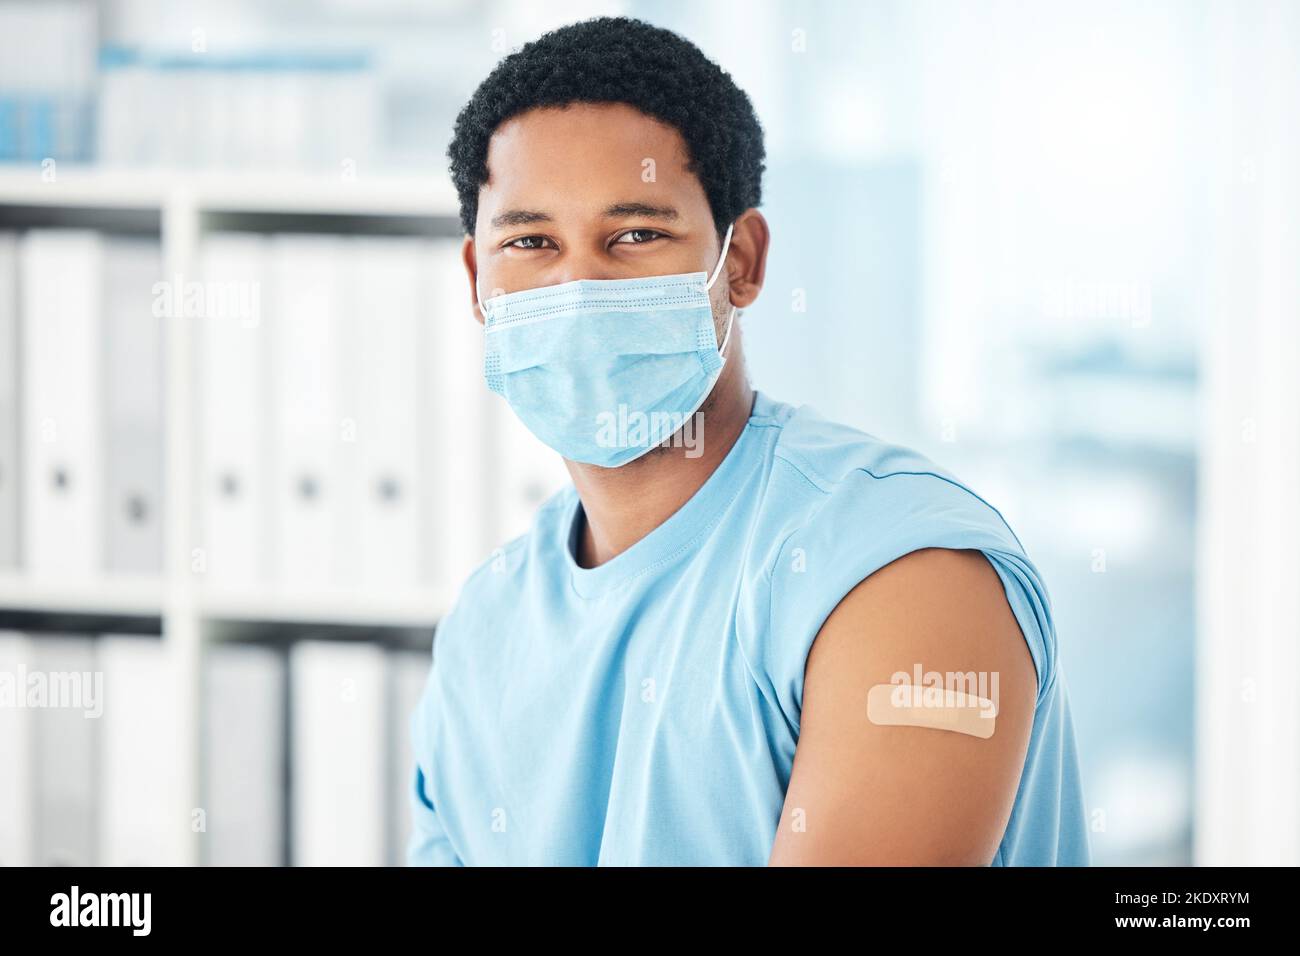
x,y
584,264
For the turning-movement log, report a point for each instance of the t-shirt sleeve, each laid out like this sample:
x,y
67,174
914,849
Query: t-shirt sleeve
x,y
862,524
429,845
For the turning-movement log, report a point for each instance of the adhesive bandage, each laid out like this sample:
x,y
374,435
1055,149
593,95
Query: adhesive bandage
x,y
912,705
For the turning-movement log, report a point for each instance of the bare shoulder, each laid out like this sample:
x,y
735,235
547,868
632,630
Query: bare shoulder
x,y
936,796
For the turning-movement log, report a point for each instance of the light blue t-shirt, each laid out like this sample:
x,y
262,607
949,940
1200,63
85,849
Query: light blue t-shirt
x,y
646,711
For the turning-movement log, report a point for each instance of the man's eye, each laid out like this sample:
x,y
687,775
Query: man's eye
x,y
639,232
530,242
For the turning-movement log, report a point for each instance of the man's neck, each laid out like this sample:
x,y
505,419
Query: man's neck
x,y
623,505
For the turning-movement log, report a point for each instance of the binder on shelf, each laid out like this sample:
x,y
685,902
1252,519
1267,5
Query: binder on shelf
x,y
62,359
232,401
384,303
138,799
407,673
16,790
310,424
9,369
338,779
454,411
133,374
65,751
244,770
525,472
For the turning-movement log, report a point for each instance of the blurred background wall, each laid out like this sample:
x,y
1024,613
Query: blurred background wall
x,y
1050,245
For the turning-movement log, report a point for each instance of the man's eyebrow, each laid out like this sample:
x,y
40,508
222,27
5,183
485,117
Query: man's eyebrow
x,y
618,210
624,210
519,217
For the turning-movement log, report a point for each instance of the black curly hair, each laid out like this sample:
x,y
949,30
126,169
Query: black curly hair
x,y
620,60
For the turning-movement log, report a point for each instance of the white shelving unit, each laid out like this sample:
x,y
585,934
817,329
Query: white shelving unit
x,y
185,205
398,197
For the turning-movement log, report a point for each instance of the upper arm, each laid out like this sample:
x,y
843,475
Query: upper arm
x,y
865,793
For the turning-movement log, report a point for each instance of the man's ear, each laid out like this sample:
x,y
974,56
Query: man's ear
x,y
468,257
747,257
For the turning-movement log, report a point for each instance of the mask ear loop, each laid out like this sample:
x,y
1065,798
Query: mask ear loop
x,y
479,299
717,270
731,320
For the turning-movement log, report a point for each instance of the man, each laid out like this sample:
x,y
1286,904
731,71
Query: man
x,y
743,634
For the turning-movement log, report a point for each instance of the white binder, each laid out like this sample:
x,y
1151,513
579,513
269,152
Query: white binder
x,y
233,411
524,473
65,751
455,415
338,767
309,422
9,369
133,373
244,731
62,408
16,786
407,673
140,758
385,309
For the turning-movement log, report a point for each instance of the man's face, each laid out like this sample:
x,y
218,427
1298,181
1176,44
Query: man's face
x,y
591,191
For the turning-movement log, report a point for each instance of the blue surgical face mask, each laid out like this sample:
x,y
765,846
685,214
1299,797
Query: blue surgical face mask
x,y
603,370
